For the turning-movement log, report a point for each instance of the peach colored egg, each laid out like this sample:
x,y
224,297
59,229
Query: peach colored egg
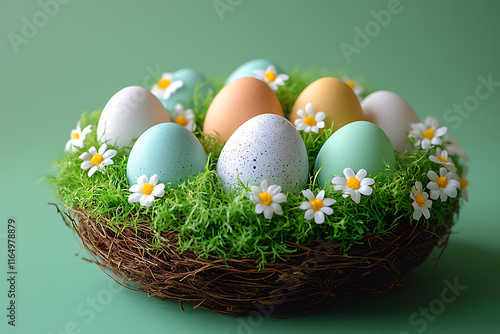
x,y
236,103
333,97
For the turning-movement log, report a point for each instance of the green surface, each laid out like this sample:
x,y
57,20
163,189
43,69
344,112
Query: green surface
x,y
435,54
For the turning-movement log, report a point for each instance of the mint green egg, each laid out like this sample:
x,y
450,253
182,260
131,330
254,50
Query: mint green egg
x,y
169,150
192,80
246,70
358,145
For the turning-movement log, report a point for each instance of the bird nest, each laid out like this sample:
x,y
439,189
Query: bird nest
x,y
314,275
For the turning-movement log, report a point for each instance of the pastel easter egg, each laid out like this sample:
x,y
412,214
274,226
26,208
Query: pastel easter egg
x,y
181,87
169,150
129,113
266,147
333,97
392,114
358,145
248,68
236,103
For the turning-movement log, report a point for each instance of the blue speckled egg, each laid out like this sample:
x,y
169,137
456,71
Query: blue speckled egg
x,y
266,147
246,70
169,150
357,145
191,79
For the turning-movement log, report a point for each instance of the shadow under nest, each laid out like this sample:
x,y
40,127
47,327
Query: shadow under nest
x,y
315,275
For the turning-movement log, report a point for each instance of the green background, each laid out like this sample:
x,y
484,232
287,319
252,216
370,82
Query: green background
x,y
431,52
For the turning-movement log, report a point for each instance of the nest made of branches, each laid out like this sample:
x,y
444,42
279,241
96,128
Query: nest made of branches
x,y
313,276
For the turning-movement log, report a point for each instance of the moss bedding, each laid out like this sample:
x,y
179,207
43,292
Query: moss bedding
x,y
212,222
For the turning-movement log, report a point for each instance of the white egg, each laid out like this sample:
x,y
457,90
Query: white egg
x,y
129,113
392,114
266,147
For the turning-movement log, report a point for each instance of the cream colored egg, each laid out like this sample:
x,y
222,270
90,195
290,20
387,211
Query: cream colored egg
x,y
392,114
129,113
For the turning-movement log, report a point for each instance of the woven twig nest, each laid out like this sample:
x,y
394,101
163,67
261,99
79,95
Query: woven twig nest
x,y
314,275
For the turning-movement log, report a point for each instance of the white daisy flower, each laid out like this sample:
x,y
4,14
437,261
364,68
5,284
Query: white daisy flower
x,y
267,199
464,183
427,133
444,185
353,185
270,77
183,117
310,120
77,137
166,86
97,160
453,147
316,207
145,191
442,158
421,201
355,86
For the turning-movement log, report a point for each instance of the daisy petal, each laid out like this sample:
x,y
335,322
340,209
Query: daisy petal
x,y
305,205
329,201
327,210
348,172
319,217
309,214
133,198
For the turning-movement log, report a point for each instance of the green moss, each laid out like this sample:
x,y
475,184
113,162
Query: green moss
x,y
211,221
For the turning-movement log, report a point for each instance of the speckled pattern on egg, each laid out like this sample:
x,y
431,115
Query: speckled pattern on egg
x,y
169,150
266,147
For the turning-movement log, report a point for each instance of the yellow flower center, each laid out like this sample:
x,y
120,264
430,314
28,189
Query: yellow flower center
x,y
181,120
75,135
96,159
164,83
270,76
463,183
309,120
316,204
353,183
443,159
442,182
420,199
147,189
265,198
351,84
429,133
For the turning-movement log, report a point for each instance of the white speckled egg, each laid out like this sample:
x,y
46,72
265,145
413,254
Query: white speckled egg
x,y
169,150
266,147
129,113
392,114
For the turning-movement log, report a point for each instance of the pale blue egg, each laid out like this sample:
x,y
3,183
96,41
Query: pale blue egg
x,y
191,80
246,70
169,150
357,145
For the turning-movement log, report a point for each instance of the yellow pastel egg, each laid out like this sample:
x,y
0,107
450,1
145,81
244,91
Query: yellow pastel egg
x,y
333,97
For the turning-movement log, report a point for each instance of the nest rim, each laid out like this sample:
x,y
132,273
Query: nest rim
x,y
314,276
